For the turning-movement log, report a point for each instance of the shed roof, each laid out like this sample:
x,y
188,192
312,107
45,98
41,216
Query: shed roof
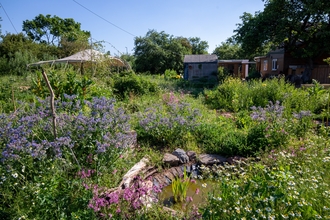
x,y
200,58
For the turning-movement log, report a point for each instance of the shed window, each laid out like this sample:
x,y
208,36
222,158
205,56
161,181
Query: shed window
x,y
274,64
265,65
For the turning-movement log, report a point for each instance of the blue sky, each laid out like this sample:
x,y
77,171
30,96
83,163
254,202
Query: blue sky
x,y
211,20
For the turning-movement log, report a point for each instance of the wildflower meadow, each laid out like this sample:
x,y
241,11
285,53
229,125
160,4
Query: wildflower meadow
x,y
279,134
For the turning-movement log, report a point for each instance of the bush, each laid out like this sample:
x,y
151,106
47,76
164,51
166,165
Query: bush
x,y
168,124
223,74
16,64
171,74
221,138
90,138
62,83
131,84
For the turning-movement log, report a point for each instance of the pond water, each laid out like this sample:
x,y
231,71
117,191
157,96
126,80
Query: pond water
x,y
204,186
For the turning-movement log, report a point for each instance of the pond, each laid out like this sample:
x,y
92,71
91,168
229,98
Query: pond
x,y
203,186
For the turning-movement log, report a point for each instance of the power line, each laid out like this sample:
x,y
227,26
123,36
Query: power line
x,y
122,30
8,18
104,19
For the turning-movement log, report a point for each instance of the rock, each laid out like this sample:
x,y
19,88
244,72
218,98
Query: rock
x,y
191,155
171,159
181,154
210,159
133,172
169,175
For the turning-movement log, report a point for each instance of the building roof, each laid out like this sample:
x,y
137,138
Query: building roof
x,y
200,58
233,61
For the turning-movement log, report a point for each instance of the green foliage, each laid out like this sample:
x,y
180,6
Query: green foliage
x,y
228,51
327,60
167,124
16,64
221,137
288,178
51,30
223,74
235,95
13,93
180,187
159,51
131,84
170,74
198,46
62,83
286,24
288,183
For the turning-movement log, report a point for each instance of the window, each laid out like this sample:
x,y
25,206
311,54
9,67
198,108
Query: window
x,y
265,65
274,64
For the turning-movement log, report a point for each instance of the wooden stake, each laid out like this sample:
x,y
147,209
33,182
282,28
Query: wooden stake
x,y
52,102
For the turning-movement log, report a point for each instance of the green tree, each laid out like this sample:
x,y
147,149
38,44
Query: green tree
x,y
53,30
251,36
11,43
18,50
228,51
158,51
301,27
198,46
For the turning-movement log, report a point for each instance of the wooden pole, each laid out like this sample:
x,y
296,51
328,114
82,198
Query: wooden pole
x,y
52,102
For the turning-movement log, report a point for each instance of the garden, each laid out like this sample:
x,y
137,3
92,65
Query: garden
x,y
67,169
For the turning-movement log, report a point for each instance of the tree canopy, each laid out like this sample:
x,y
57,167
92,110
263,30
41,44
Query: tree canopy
x,y
228,50
158,51
53,30
302,27
198,46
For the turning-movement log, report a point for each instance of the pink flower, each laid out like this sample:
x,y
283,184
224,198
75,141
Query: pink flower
x,y
197,191
189,199
118,210
114,172
193,180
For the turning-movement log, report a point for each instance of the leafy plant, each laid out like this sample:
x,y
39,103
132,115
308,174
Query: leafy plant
x,y
131,84
180,186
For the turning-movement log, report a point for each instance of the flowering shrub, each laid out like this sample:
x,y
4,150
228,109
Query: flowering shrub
x,y
271,119
91,137
166,125
273,129
101,129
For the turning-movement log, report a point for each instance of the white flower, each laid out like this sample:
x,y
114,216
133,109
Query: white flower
x,y
15,175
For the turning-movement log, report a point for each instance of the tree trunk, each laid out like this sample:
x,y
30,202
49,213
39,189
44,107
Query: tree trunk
x,y
306,77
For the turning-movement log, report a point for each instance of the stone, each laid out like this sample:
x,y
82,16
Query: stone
x,y
181,154
169,175
191,155
210,159
171,159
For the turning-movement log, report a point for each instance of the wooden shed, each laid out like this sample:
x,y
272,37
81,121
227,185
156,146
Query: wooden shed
x,y
200,67
237,68
281,62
